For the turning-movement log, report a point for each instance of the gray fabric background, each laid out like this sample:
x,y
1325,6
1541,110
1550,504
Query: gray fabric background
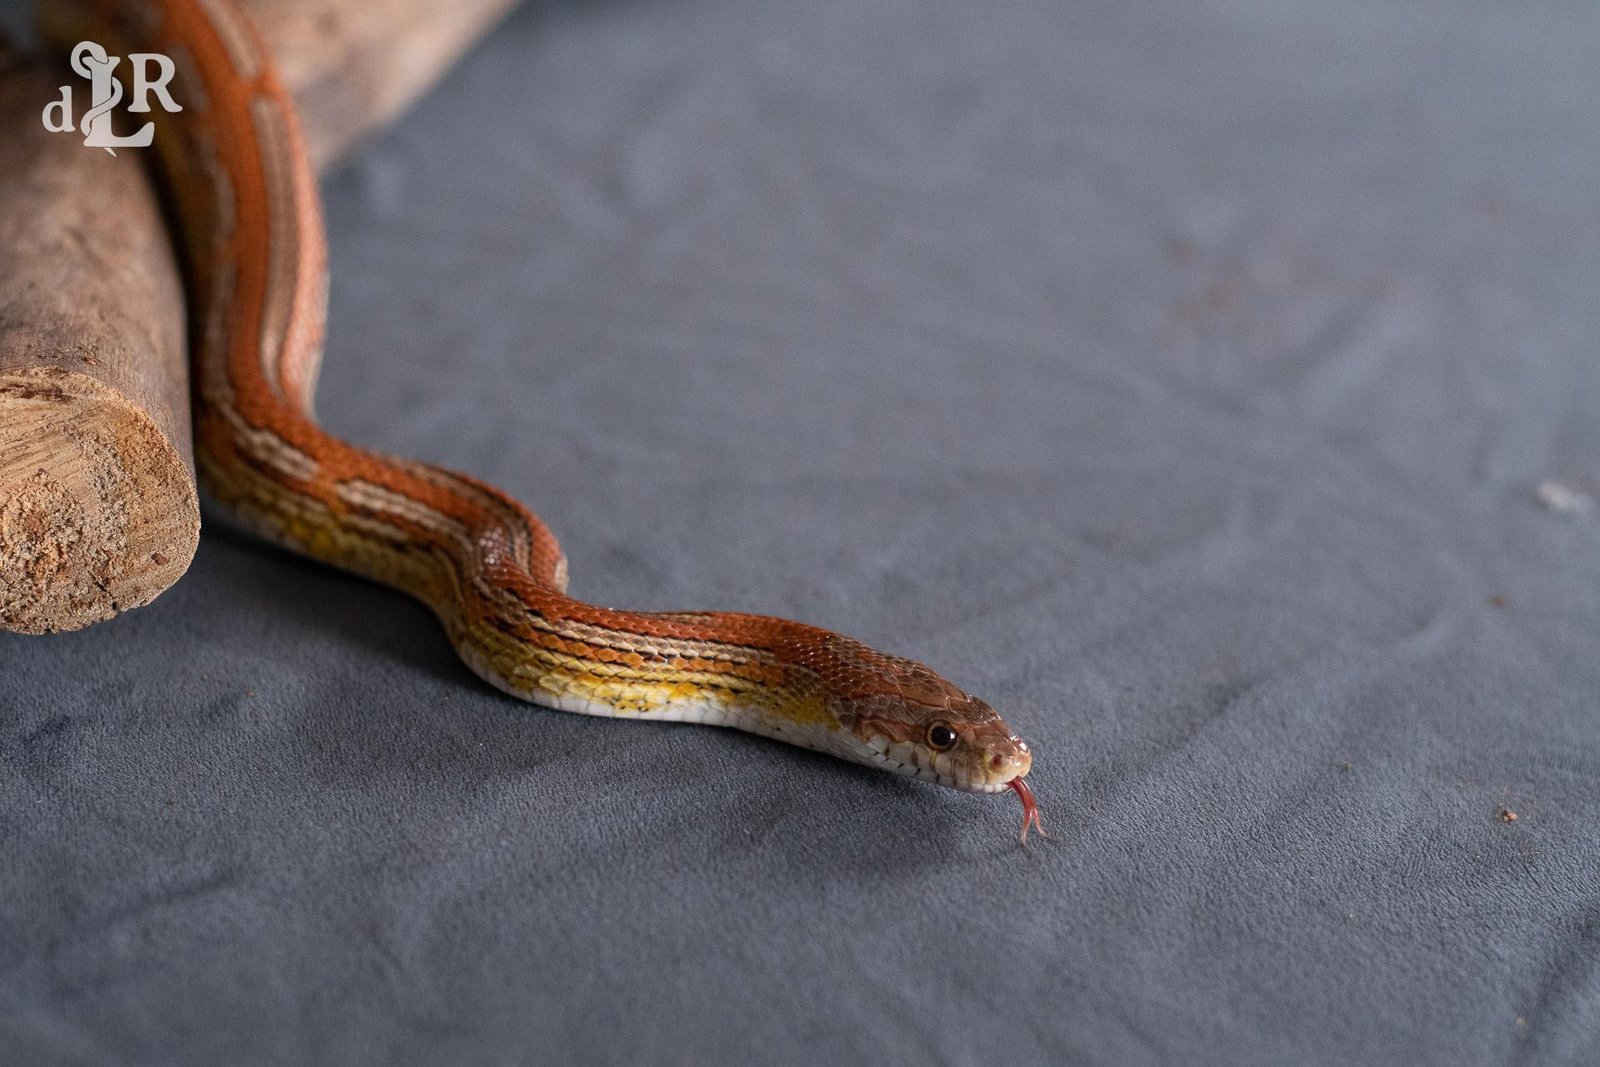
x,y
1175,376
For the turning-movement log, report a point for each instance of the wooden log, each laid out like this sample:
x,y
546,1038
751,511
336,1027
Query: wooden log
x,y
98,510
354,65
98,507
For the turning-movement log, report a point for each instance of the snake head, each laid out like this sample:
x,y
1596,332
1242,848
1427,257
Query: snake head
x,y
927,728
908,719
963,745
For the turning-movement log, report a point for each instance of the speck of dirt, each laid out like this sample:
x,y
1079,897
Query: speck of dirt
x,y
1223,295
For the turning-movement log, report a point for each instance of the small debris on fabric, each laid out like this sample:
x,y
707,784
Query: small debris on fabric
x,y
1223,295
1497,600
1507,815
1559,499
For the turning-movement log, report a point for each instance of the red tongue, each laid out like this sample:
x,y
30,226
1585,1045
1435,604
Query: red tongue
x,y
1030,810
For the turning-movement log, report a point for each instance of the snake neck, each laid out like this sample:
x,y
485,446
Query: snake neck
x,y
708,668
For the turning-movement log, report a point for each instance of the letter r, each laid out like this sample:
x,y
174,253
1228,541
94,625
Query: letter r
x,y
143,86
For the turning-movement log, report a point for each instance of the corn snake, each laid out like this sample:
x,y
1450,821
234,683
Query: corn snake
x,y
245,195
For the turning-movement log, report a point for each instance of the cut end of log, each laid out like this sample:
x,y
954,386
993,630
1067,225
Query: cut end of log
x,y
98,512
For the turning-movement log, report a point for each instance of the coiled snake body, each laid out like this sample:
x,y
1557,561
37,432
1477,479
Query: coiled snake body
x,y
246,195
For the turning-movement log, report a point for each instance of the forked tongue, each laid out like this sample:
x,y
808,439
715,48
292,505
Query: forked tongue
x,y
1030,810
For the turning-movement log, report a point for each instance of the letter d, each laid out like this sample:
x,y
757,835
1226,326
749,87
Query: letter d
x,y
65,104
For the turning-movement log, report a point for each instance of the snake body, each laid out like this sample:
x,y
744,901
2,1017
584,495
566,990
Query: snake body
x,y
246,196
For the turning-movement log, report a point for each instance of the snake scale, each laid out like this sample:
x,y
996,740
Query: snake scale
x,y
245,196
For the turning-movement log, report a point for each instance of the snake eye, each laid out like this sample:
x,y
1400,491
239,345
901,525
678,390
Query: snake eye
x,y
941,737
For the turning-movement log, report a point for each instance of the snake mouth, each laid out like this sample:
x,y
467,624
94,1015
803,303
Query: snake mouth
x,y
1016,784
880,753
